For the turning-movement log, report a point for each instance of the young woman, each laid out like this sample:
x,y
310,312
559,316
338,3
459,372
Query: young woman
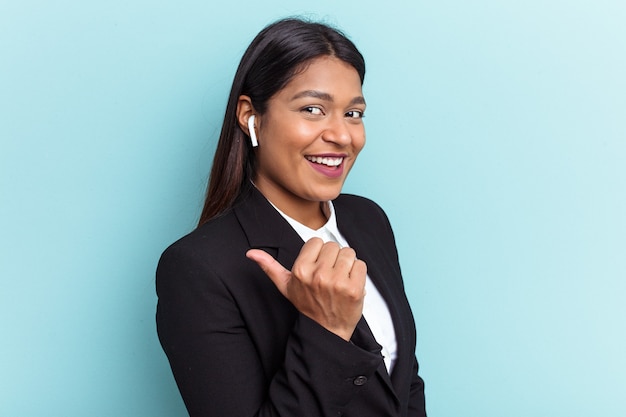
x,y
254,321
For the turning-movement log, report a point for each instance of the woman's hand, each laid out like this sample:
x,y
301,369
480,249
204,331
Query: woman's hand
x,y
326,283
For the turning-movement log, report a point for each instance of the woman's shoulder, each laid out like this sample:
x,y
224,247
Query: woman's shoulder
x,y
215,239
358,206
356,201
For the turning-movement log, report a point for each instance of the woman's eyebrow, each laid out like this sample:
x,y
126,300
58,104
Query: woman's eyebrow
x,y
357,100
315,94
325,96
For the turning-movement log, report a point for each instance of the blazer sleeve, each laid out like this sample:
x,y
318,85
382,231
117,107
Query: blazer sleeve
x,y
417,401
217,367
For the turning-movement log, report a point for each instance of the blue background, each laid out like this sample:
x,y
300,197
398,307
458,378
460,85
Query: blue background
x,y
496,143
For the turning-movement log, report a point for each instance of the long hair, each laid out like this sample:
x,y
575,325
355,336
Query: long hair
x,y
274,57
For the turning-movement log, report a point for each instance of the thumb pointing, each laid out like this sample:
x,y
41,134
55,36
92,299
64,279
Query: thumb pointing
x,y
272,268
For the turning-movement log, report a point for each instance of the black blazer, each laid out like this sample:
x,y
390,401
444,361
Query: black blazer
x,y
238,348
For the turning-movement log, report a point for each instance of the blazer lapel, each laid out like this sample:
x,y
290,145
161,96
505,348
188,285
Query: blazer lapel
x,y
265,228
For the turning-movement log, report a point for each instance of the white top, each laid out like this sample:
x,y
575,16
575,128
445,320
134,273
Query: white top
x,y
375,309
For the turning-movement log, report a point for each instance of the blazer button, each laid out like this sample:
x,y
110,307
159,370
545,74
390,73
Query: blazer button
x,y
360,380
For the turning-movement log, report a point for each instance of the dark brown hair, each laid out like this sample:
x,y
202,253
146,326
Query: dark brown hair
x,y
275,55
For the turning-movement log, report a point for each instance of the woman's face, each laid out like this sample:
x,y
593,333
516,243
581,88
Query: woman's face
x,y
310,136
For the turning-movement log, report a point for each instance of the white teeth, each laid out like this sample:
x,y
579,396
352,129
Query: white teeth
x,y
331,162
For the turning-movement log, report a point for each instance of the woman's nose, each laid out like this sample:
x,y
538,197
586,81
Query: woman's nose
x,y
337,131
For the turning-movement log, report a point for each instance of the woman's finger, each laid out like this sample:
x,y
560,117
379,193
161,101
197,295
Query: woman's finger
x,y
272,268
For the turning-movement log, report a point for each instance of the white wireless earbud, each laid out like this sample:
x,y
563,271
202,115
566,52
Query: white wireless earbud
x,y
253,138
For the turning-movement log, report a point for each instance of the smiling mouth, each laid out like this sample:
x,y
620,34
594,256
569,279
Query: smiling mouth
x,y
325,160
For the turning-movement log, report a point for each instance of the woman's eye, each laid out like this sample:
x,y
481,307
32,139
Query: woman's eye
x,y
354,114
316,111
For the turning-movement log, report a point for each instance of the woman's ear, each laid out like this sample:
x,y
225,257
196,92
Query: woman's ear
x,y
245,109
